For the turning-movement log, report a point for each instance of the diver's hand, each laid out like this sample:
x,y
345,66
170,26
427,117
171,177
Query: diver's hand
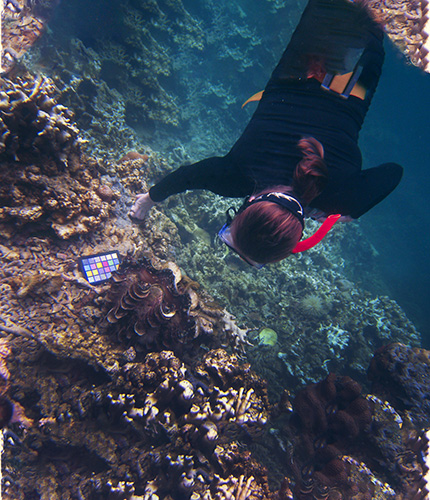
x,y
141,207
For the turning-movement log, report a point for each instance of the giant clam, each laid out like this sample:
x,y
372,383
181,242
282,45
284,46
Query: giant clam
x,y
150,308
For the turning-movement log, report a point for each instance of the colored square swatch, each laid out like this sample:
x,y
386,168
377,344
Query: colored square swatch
x,y
99,268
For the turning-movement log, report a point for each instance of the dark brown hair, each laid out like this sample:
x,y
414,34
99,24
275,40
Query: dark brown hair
x,y
266,232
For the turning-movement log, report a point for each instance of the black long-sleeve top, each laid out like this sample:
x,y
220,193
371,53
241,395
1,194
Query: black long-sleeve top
x,y
266,154
292,107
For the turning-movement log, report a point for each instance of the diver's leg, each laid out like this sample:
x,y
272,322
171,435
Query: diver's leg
x,y
330,38
332,34
370,62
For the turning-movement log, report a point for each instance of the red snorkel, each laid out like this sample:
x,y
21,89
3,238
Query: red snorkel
x,y
322,231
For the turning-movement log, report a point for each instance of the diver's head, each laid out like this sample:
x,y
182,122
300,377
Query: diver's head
x,y
269,225
268,228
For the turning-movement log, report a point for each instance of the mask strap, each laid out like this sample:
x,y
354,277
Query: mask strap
x,y
318,235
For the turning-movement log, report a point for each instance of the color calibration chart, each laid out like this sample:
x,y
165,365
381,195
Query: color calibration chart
x,y
99,268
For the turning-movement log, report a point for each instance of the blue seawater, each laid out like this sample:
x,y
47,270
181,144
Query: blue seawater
x,y
397,129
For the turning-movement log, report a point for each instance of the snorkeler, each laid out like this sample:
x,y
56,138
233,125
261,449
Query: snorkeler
x,y
299,156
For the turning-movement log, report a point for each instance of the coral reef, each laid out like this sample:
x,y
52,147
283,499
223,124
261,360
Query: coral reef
x,y
11,412
139,388
67,204
92,416
401,375
46,180
133,169
325,320
22,23
139,77
153,424
406,26
6,407
349,445
102,419
34,126
161,309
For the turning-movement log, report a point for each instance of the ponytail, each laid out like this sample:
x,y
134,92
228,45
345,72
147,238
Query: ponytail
x,y
311,172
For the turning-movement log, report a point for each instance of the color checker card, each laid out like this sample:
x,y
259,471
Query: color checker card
x,y
98,268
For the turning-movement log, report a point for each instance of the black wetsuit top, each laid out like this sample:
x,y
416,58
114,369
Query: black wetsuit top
x,y
266,154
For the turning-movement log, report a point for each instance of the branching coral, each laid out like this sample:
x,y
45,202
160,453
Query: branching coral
x,y
107,422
